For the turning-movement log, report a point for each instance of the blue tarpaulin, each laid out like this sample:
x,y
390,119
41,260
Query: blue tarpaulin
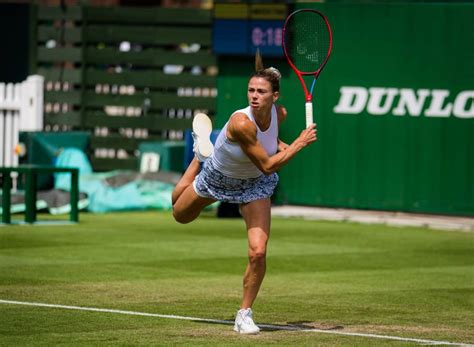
x,y
115,190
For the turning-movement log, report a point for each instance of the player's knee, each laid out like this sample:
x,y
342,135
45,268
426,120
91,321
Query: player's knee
x,y
257,255
180,217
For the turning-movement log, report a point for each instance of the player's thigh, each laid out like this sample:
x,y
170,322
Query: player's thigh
x,y
257,217
189,202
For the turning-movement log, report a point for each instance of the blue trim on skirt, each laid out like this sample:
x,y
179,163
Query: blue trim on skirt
x,y
211,183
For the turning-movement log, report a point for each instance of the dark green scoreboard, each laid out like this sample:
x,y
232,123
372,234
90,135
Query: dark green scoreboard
x,y
239,29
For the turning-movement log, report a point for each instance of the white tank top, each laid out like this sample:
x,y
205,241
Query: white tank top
x,y
228,156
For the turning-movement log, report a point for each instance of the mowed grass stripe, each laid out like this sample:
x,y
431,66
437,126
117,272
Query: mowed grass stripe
x,y
406,282
229,322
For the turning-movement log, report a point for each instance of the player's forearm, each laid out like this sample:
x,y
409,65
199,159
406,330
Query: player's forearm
x,y
282,145
275,162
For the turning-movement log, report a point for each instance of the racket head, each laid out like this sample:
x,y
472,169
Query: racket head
x,y
307,41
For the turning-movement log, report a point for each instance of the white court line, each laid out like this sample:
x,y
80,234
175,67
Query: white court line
x,y
219,321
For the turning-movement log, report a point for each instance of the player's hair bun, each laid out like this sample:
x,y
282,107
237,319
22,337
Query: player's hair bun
x,y
273,71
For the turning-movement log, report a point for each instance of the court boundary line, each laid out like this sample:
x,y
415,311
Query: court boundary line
x,y
220,321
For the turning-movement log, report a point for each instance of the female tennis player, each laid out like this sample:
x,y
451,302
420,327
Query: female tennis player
x,y
242,169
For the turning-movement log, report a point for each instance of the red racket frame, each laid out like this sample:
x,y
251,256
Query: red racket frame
x,y
300,74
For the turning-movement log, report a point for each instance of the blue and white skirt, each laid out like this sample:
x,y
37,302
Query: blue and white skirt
x,y
211,183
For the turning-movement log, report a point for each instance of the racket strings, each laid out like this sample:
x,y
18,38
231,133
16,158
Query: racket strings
x,y
307,40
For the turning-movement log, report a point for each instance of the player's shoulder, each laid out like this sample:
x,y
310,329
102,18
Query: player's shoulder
x,y
240,120
241,126
281,113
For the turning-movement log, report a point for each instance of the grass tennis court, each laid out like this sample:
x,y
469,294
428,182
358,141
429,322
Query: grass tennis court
x,y
405,282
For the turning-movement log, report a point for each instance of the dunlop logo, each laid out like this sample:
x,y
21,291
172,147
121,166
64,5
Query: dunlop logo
x,y
379,101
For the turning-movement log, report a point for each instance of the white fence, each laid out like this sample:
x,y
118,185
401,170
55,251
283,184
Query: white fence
x,y
21,109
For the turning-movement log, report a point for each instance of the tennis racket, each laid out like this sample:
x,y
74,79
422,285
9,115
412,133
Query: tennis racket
x,y
307,44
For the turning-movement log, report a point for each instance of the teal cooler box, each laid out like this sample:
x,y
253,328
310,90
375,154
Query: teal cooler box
x,y
42,148
162,156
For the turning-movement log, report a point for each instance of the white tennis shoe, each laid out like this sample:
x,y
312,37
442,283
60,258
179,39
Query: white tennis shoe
x,y
202,128
244,323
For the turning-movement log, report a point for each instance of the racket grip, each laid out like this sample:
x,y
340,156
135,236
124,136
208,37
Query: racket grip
x,y
309,113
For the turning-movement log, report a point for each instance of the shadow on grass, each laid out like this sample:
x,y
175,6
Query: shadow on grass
x,y
298,326
290,326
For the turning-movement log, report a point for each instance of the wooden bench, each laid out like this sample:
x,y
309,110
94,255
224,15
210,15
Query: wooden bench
x,y
31,173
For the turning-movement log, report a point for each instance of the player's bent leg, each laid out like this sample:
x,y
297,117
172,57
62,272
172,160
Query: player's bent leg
x,y
186,180
189,205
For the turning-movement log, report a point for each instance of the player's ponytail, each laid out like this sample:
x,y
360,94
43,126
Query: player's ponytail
x,y
271,74
258,61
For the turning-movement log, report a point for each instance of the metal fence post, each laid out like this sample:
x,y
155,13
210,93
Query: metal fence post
x,y
6,195
74,216
30,196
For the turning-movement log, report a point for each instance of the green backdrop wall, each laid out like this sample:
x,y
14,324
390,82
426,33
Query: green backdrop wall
x,y
394,108
126,74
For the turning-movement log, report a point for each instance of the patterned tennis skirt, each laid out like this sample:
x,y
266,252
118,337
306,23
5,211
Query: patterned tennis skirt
x,y
211,183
